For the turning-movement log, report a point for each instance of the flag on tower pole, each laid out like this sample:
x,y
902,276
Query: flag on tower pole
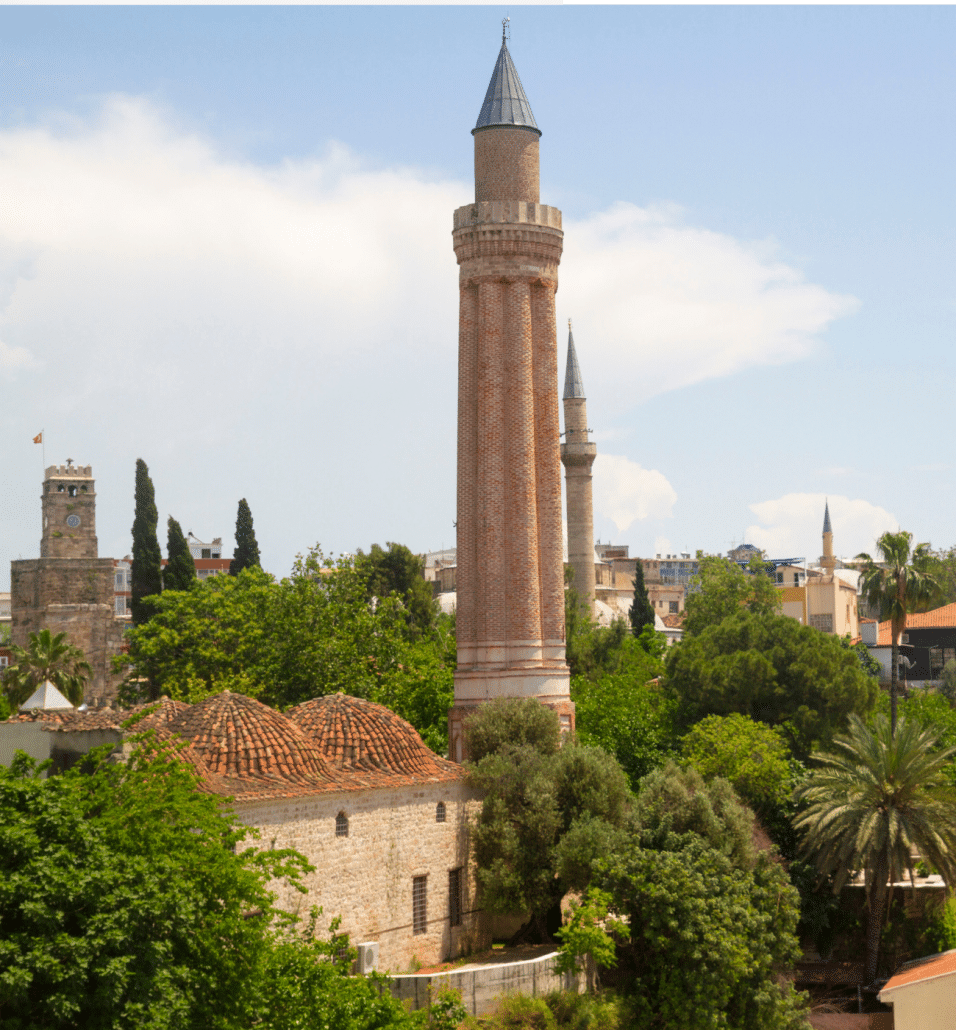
x,y
39,437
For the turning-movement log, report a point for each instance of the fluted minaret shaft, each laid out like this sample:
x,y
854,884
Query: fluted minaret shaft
x,y
577,455
510,609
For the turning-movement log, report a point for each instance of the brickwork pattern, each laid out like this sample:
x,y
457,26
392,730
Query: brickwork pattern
x,y
506,163
577,455
510,576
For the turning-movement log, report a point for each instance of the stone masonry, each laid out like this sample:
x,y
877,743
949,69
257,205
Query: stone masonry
x,y
578,454
510,613
68,588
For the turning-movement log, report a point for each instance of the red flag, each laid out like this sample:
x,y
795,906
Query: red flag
x,y
39,437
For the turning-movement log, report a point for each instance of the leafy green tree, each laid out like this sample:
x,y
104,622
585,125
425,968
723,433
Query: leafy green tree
x,y
147,569
947,686
398,572
899,581
721,589
309,635
246,554
772,669
871,800
549,812
629,717
180,571
47,657
750,755
864,656
642,611
698,922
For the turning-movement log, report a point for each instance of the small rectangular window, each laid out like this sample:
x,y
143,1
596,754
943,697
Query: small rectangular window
x,y
454,896
419,904
3,660
205,552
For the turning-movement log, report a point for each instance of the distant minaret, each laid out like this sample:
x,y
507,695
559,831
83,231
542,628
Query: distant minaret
x,y
578,455
827,561
510,576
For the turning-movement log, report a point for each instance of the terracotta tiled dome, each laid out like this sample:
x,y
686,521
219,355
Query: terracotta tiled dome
x,y
237,736
359,735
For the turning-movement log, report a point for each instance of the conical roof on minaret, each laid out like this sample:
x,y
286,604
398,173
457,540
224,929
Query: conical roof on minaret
x,y
573,383
827,528
505,102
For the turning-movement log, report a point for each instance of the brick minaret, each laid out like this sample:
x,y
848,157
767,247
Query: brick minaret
x,y
827,560
510,619
577,455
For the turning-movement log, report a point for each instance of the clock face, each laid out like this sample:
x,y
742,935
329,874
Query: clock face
x,y
73,521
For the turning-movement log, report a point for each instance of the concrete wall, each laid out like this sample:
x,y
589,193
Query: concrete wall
x,y
366,877
481,986
930,1005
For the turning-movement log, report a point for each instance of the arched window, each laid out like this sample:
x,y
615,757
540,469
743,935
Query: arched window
x,y
72,491
341,825
440,812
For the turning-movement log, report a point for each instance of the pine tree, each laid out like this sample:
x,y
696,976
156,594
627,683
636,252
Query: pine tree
x,y
180,571
246,555
642,611
147,558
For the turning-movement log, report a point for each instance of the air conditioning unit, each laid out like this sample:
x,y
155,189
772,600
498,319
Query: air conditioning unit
x,y
366,961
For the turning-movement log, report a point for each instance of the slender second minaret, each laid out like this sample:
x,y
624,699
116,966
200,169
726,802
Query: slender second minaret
x,y
577,455
827,561
510,581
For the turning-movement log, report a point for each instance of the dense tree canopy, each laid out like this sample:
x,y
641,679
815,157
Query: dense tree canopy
x,y
180,571
397,571
549,812
46,657
772,669
700,922
628,716
721,589
752,756
246,554
125,904
147,571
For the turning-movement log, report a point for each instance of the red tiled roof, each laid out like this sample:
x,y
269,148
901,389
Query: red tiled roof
x,y
237,736
944,618
359,735
922,969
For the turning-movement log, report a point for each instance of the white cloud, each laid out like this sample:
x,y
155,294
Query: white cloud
x,y
625,492
792,526
15,357
662,545
662,305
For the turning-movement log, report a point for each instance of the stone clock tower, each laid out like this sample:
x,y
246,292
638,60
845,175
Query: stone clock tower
x,y
510,578
68,588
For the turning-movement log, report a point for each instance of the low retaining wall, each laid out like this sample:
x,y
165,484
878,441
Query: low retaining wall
x,y
480,986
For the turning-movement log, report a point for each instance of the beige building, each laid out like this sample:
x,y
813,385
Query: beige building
x,y
923,994
346,782
824,599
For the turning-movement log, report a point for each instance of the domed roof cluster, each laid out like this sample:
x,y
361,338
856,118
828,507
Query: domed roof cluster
x,y
358,735
237,736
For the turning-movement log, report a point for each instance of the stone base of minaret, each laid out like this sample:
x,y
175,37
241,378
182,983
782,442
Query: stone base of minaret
x,y
472,689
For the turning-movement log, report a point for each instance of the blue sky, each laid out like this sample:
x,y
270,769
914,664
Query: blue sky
x,y
225,248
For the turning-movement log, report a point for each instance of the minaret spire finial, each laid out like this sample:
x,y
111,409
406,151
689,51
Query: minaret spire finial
x,y
504,30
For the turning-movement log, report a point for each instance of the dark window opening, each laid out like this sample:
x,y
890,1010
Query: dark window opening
x,y
454,896
419,904
205,552
341,825
72,491
440,812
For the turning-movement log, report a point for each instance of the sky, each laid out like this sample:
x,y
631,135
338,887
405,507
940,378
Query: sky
x,y
225,248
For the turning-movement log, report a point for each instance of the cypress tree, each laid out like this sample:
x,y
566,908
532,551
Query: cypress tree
x,y
642,611
180,571
147,568
246,555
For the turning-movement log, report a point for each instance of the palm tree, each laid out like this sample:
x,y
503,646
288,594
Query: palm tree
x,y
47,657
895,584
871,800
